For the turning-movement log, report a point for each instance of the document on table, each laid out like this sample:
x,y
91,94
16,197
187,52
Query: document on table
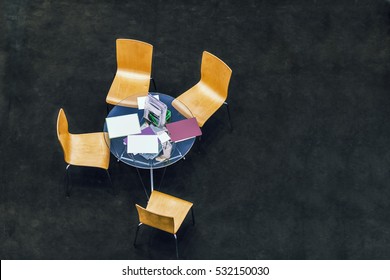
x,y
163,137
144,144
145,131
141,101
183,129
123,125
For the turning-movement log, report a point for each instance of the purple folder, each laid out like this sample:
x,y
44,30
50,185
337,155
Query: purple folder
x,y
145,131
183,130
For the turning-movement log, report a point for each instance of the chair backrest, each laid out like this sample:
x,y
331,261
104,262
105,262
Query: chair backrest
x,y
63,133
215,74
134,56
155,220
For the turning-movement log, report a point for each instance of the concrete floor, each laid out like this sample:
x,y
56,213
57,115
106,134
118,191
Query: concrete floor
x,y
304,175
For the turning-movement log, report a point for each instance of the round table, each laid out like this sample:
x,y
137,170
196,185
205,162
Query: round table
x,y
118,145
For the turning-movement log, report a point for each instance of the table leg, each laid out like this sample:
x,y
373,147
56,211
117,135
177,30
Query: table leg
x,y
151,181
142,182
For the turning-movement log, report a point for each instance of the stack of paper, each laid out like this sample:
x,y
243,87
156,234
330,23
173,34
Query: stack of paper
x,y
155,111
147,144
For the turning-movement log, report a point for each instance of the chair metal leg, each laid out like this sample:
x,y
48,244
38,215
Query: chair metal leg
x,y
177,248
136,233
154,84
198,144
162,178
112,186
193,216
228,112
67,189
143,185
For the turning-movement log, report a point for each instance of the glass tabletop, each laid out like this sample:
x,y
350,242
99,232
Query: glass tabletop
x,y
118,146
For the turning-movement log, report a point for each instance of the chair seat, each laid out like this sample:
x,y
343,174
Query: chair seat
x,y
134,68
88,149
164,212
202,101
169,206
128,84
209,94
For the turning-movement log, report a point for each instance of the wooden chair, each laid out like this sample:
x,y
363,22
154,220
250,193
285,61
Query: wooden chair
x,y
134,68
164,212
208,95
88,149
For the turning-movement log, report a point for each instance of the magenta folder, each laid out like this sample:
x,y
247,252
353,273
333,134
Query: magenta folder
x,y
183,130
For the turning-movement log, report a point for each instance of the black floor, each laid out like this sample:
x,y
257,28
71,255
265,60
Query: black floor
x,y
304,175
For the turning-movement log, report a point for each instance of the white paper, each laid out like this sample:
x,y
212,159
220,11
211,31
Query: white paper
x,y
141,101
123,125
164,137
144,144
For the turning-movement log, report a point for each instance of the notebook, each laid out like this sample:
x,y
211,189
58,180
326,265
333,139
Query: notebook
x,y
142,144
123,125
183,130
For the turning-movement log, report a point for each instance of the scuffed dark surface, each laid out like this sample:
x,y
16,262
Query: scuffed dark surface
x,y
304,175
